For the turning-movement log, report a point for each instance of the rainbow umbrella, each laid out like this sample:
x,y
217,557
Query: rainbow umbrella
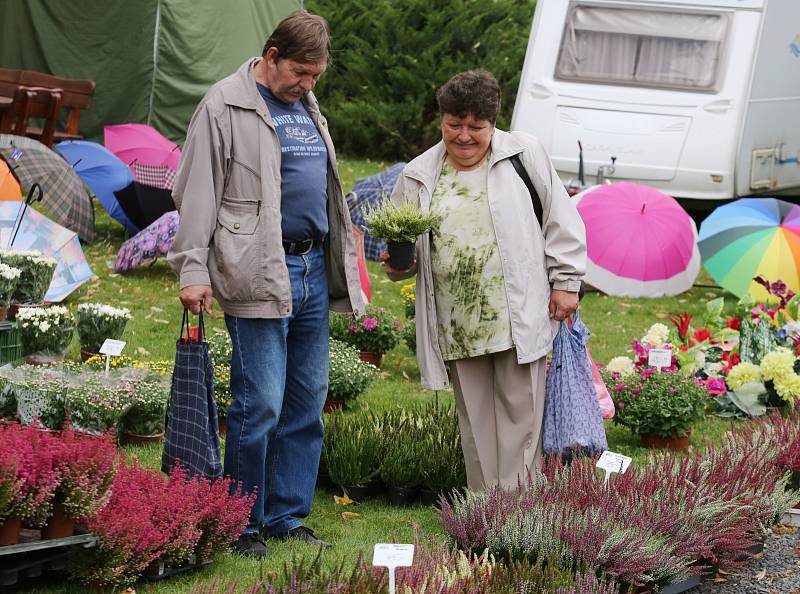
x,y
752,237
639,241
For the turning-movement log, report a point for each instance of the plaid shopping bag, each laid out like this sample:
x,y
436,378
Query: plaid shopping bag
x,y
192,435
572,421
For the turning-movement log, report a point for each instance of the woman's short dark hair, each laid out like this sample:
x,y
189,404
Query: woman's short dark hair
x,y
475,92
302,37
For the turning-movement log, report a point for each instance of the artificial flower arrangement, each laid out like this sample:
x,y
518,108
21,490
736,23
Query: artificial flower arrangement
x,y
9,277
36,274
375,331
349,376
97,322
45,330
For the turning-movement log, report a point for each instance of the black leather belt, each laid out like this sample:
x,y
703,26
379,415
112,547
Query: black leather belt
x,y
299,248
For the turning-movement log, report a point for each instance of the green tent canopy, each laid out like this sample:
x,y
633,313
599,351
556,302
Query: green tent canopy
x,y
152,60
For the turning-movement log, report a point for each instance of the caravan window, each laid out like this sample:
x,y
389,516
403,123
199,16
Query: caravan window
x,y
642,47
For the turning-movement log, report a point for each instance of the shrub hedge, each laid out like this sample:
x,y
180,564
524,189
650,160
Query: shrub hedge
x,y
390,57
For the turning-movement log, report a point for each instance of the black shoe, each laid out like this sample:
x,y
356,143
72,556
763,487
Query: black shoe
x,y
306,535
250,545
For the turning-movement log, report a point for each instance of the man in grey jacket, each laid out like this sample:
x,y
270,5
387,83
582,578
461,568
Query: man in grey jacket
x,y
265,230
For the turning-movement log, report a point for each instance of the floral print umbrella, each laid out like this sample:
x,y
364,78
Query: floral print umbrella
x,y
147,245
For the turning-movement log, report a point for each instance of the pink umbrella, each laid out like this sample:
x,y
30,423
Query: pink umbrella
x,y
640,242
142,144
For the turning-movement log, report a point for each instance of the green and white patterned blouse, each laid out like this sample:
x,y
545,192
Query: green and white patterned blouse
x,y
469,288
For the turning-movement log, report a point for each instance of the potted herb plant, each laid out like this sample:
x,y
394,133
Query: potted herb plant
x,y
348,376
399,225
45,333
659,406
373,333
96,323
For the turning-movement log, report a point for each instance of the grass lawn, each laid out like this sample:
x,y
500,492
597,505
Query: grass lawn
x,y
151,294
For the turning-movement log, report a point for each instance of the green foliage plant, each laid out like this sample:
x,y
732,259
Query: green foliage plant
x,y
348,376
390,57
395,223
353,448
665,403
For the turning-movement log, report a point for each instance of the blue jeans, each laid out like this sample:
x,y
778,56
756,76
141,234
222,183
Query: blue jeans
x,y
279,380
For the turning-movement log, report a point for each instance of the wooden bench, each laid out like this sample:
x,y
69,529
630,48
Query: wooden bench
x,y
76,95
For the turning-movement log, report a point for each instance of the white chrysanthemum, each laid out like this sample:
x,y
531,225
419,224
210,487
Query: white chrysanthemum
x,y
8,272
44,326
621,365
656,336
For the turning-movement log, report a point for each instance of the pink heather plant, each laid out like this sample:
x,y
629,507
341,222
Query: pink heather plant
x,y
38,478
10,486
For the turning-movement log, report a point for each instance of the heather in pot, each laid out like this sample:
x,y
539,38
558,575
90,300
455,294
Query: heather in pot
x,y
397,222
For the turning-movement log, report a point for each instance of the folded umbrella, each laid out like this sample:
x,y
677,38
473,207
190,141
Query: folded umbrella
x,y
37,232
148,244
102,172
64,195
140,143
752,237
640,242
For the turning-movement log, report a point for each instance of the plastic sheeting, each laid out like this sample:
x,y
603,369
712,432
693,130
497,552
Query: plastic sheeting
x,y
152,60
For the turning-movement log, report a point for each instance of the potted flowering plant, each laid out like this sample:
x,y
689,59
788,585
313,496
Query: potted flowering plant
x,y
659,406
96,323
10,486
45,333
143,422
409,295
9,277
399,225
373,333
348,375
221,350
97,404
36,274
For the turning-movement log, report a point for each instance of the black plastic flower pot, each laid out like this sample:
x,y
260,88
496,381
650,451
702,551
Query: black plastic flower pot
x,y
401,496
401,254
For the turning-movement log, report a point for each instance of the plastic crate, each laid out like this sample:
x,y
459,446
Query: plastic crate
x,y
10,345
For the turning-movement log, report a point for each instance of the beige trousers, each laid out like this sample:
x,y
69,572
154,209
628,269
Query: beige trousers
x,y
500,406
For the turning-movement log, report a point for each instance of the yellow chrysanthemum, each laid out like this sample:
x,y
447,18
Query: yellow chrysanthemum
x,y
621,365
788,387
743,373
777,364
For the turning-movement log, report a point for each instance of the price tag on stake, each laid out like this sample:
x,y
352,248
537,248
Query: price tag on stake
x,y
391,556
111,348
611,462
659,358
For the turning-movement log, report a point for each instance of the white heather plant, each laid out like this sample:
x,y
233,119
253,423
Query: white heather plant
x,y
98,321
36,274
397,222
9,277
46,330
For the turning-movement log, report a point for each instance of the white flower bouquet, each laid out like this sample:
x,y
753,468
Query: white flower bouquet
x,y
9,277
45,330
97,322
36,274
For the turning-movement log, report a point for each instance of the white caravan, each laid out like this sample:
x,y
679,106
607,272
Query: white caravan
x,y
698,99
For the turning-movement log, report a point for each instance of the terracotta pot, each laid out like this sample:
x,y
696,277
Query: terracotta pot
x,y
137,439
13,308
656,442
222,422
368,357
332,406
87,354
59,524
3,313
9,531
43,358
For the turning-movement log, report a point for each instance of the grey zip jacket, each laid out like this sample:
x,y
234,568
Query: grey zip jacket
x,y
228,193
532,260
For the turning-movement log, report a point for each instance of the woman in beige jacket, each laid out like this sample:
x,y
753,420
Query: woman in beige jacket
x,y
491,283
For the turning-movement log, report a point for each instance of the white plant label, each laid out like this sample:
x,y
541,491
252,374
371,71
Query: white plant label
x,y
612,462
659,358
392,556
112,347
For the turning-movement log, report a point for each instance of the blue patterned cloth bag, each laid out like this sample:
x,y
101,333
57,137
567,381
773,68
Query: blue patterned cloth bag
x,y
572,420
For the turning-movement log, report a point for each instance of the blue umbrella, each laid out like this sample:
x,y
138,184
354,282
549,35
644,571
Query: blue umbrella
x,y
103,172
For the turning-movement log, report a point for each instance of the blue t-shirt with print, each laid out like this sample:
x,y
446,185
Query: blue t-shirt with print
x,y
304,170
